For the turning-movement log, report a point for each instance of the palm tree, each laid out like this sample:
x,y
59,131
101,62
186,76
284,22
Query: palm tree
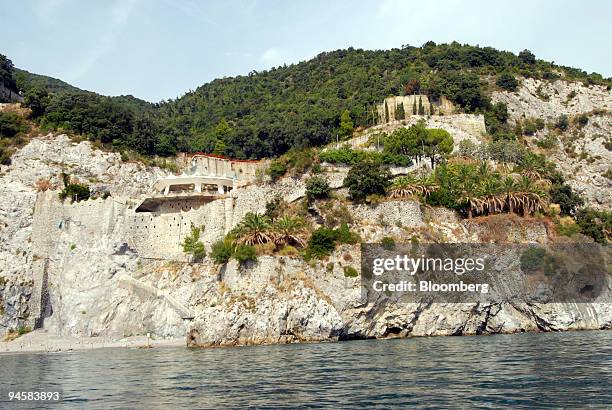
x,y
531,198
468,197
407,186
489,193
254,229
509,188
289,231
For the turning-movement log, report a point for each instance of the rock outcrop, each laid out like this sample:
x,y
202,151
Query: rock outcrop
x,y
93,269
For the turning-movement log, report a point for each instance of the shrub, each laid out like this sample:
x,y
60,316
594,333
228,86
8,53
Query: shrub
x,y
562,123
350,272
276,170
529,127
317,187
567,199
335,214
366,179
582,120
549,142
11,125
244,254
567,227
350,156
596,224
76,193
317,169
388,243
193,246
344,235
507,81
275,207
222,251
299,159
321,243
288,251
442,197
532,259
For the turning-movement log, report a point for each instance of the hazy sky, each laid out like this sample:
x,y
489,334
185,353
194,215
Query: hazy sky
x,y
161,49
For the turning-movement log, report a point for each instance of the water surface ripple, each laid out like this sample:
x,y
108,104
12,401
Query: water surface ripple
x,y
525,370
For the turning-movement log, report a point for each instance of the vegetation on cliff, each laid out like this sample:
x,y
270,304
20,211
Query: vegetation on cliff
x,y
266,113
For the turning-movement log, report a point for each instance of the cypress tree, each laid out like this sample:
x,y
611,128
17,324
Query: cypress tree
x,y
421,108
400,114
414,107
386,112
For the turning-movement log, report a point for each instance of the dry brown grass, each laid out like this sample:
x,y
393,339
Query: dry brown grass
x,y
497,228
43,184
17,109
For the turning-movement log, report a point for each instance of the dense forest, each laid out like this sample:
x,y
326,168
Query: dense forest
x,y
264,114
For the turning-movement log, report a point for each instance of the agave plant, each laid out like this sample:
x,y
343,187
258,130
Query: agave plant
x,y
289,231
254,229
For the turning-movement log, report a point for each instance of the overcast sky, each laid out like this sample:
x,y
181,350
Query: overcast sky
x,y
159,49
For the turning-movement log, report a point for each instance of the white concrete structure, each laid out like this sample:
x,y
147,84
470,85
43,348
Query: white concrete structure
x,y
195,183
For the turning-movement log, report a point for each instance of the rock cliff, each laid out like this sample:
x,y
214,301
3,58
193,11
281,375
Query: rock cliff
x,y
86,270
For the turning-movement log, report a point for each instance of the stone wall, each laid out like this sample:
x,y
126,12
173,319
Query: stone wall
x,y
460,126
243,170
411,104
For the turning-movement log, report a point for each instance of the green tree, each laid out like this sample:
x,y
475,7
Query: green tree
x,y
222,134
386,112
166,145
527,57
7,73
421,108
405,141
193,246
567,199
36,99
400,114
438,142
346,125
507,81
220,147
366,179
414,107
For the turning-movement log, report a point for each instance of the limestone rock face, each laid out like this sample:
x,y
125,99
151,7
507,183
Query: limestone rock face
x,y
580,151
101,282
45,159
542,99
284,300
274,317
